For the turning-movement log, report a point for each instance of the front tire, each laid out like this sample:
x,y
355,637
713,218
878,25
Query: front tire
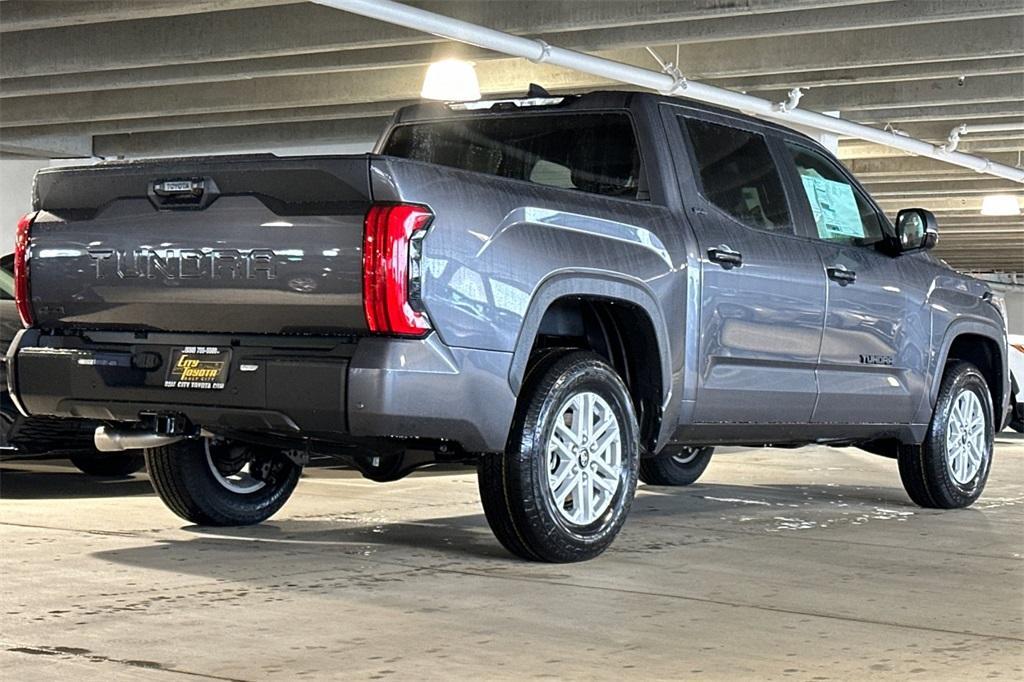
x,y
221,483
675,465
563,487
949,470
108,465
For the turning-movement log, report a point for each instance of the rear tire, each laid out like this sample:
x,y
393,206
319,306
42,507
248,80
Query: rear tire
x,y
675,465
563,487
109,465
221,483
949,470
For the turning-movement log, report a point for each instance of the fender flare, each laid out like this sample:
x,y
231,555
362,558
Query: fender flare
x,y
603,285
955,329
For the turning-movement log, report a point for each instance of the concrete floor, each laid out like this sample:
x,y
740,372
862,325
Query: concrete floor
x,y
800,565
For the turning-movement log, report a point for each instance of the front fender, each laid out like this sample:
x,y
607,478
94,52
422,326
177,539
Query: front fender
x,y
959,327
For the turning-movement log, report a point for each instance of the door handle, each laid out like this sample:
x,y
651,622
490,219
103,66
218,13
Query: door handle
x,y
841,274
725,256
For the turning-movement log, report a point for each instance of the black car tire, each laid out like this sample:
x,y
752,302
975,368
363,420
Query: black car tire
x,y
516,486
108,464
183,475
675,465
1017,417
1016,406
926,469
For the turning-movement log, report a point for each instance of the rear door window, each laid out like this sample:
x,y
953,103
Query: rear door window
x,y
738,175
842,214
595,153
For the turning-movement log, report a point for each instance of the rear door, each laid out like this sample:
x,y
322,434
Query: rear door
x,y
762,299
870,367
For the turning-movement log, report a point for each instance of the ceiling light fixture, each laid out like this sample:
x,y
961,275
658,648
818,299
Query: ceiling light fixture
x,y
451,80
1000,205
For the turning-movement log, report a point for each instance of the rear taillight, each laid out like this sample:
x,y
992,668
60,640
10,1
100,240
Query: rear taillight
x,y
21,289
391,268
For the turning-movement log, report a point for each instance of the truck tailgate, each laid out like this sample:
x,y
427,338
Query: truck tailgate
x,y
231,244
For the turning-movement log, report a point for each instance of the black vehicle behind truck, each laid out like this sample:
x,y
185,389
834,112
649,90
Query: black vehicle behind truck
x,y
568,292
24,437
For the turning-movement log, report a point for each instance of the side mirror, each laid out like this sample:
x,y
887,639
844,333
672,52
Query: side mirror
x,y
916,229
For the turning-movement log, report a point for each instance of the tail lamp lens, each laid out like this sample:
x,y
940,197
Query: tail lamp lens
x,y
388,252
22,299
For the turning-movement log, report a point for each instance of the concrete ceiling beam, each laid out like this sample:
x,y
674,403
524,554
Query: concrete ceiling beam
x,y
308,28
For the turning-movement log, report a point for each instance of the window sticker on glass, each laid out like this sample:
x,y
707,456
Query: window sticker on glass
x,y
834,207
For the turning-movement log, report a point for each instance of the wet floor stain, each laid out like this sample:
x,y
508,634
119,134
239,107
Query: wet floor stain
x,y
86,654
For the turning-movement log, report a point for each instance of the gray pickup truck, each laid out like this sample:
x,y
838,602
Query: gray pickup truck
x,y
570,293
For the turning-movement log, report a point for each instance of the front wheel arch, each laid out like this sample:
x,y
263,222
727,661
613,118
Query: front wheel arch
x,y
979,345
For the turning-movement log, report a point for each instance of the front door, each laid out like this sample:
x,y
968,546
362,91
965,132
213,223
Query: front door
x,y
762,300
870,368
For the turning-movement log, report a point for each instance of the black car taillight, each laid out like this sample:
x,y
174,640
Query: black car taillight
x,y
391,269
21,263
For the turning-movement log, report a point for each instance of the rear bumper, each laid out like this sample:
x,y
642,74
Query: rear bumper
x,y
329,388
424,389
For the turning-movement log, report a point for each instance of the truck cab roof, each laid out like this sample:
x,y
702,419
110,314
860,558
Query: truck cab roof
x,y
589,101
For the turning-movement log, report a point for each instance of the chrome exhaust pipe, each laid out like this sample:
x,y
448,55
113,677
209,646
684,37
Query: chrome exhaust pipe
x,y
107,439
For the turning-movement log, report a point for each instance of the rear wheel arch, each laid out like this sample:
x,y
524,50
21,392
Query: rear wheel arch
x,y
616,319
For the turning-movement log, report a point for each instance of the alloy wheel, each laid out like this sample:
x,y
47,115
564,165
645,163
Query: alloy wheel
x,y
584,458
232,467
965,438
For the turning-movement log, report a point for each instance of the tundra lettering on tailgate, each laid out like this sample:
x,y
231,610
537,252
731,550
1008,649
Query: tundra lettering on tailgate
x,y
178,264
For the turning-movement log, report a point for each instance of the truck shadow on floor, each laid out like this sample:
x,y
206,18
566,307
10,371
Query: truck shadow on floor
x,y
19,483
663,519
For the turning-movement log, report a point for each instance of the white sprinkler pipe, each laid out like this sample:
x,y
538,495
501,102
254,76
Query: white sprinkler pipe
x,y
954,135
540,52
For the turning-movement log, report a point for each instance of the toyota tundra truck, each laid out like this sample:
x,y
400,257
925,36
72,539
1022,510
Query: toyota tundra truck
x,y
569,293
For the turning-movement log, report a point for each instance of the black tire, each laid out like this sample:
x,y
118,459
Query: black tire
x,y
108,464
925,469
517,500
1016,406
182,475
1017,417
675,465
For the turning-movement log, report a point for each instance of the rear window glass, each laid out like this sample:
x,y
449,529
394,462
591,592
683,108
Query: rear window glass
x,y
738,175
594,153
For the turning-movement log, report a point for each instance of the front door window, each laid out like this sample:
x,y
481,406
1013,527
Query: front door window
x,y
841,212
